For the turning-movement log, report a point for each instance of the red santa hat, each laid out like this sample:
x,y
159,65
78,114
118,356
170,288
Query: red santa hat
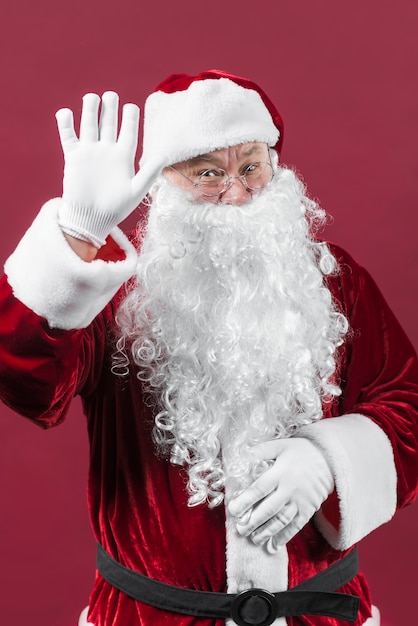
x,y
190,115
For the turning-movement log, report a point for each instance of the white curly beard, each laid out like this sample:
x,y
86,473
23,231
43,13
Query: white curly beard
x,y
230,321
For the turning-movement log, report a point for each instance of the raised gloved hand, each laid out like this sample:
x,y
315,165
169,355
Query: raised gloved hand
x,y
282,500
100,187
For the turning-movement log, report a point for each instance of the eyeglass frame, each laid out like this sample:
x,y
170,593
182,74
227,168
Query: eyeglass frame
x,y
228,182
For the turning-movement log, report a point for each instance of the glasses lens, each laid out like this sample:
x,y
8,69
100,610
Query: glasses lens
x,y
212,182
258,175
215,181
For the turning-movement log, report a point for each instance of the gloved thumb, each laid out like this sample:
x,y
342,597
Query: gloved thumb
x,y
144,179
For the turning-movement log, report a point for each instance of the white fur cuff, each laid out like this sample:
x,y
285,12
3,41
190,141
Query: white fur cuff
x,y
50,279
361,459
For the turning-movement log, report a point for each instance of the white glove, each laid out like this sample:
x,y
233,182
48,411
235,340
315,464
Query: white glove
x,y
100,187
282,500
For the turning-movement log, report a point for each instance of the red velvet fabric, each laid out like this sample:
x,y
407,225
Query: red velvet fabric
x,y
137,500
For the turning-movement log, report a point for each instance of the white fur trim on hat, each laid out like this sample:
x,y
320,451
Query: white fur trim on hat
x,y
361,459
210,115
51,280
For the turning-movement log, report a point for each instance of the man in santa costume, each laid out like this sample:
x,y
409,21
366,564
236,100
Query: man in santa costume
x,y
251,401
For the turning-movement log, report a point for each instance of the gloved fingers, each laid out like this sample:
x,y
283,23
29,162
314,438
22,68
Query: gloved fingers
x,y
89,124
276,524
266,510
108,127
128,134
65,123
255,493
287,533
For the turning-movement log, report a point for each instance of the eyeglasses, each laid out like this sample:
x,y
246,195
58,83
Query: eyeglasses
x,y
215,181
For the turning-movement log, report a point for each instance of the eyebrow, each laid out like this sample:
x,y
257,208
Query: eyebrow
x,y
202,157
253,149
209,156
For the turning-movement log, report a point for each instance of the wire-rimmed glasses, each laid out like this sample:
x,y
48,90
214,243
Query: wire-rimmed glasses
x,y
215,180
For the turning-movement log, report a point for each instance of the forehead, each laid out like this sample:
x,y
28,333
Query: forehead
x,y
254,149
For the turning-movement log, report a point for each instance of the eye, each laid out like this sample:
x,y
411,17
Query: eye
x,y
252,168
213,173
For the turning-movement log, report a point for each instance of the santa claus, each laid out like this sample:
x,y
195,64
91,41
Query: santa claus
x,y
251,401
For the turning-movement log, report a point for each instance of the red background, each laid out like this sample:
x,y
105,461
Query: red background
x,y
343,74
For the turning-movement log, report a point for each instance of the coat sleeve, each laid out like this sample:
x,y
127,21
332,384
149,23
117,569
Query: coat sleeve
x,y
371,439
54,311
40,367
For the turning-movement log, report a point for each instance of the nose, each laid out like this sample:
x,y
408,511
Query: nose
x,y
236,193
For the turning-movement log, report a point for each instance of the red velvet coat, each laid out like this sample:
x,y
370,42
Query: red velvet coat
x,y
137,501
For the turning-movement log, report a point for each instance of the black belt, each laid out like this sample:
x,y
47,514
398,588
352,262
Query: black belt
x,y
315,596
